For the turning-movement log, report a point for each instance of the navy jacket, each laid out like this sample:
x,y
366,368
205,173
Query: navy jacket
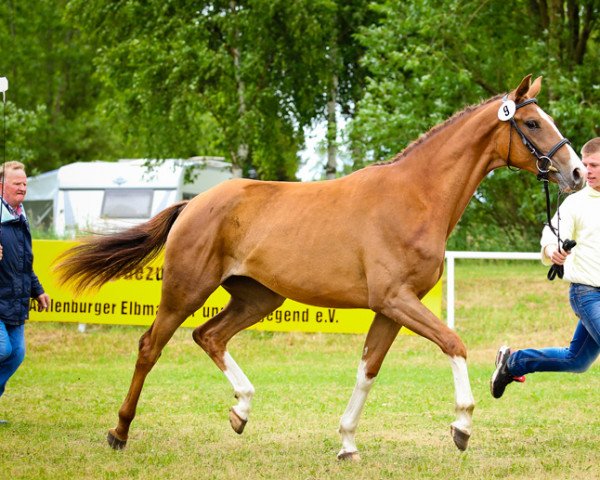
x,y
18,282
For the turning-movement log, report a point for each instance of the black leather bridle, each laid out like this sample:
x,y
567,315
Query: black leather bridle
x,y
543,161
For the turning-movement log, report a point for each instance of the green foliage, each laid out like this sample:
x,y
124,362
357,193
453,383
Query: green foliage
x,y
98,79
51,90
25,128
250,68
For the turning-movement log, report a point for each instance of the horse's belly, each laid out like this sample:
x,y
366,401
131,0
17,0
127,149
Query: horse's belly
x,y
311,279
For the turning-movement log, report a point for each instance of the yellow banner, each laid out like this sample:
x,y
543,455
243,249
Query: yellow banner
x,y
133,300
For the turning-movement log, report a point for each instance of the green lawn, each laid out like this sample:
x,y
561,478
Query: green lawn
x,y
66,395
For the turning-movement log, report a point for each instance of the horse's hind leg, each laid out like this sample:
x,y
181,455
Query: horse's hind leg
x,y
381,335
171,314
250,302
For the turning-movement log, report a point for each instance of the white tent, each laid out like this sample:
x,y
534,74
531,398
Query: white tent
x,y
103,196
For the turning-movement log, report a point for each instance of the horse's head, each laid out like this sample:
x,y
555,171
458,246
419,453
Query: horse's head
x,y
535,144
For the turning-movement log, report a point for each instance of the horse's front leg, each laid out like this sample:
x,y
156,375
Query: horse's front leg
x,y
462,427
381,335
407,309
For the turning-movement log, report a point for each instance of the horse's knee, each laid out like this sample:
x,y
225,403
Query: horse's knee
x,y
453,346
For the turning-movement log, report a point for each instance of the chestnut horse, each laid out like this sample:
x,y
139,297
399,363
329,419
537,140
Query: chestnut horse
x,y
374,239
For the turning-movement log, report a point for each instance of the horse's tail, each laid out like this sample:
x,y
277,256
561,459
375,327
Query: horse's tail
x,y
100,258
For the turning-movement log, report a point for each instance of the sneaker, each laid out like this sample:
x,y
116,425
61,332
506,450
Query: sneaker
x,y
501,376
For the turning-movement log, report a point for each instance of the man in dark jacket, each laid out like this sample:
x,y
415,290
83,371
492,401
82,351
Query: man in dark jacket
x,y
18,282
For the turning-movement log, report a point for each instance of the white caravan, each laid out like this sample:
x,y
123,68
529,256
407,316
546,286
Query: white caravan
x,y
106,196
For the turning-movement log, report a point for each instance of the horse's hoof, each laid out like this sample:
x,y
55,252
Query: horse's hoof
x,y
461,439
115,442
237,423
348,456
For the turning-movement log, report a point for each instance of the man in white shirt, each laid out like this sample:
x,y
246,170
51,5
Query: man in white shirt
x,y
580,221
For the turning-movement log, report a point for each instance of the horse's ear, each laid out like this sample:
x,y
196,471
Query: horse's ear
x,y
535,88
521,91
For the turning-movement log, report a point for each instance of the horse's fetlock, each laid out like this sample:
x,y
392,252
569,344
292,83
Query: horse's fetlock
x,y
347,426
245,392
126,418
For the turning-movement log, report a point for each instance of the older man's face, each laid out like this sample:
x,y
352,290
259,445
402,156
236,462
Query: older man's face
x,y
15,187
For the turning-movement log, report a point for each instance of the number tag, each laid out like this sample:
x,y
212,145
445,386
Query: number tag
x,y
507,110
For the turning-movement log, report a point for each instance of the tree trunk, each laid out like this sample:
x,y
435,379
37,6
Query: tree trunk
x,y
331,167
240,156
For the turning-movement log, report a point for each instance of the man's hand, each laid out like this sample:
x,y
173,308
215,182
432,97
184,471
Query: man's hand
x,y
43,301
557,256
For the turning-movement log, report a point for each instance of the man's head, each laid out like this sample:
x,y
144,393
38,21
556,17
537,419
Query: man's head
x,y
13,183
590,156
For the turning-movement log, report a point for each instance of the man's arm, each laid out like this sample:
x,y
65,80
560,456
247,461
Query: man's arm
x,y
37,292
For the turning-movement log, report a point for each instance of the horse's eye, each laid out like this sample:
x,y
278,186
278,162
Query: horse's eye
x,y
532,124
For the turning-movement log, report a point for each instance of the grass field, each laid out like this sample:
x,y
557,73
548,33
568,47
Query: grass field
x,y
66,395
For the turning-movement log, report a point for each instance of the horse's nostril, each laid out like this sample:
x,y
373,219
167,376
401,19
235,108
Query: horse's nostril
x,y
578,176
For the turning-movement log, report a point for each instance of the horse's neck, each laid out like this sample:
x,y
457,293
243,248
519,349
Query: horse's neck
x,y
455,160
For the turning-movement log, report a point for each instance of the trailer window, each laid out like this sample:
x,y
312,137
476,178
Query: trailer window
x,y
127,203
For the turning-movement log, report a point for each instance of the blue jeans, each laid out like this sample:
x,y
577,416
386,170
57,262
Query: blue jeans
x,y
12,351
584,347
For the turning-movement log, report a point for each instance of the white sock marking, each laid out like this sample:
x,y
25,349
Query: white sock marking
x,y
349,420
244,391
463,395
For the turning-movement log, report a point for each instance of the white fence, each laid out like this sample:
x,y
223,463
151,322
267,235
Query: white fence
x,y
451,256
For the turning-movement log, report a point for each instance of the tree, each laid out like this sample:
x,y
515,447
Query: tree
x,y
345,76
51,94
249,69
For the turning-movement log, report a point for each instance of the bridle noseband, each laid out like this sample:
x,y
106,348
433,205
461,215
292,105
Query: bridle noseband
x,y
544,166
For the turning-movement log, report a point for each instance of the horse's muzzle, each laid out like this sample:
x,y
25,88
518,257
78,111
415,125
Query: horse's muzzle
x,y
571,182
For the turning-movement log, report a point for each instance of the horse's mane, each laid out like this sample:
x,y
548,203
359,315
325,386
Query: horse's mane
x,y
434,130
